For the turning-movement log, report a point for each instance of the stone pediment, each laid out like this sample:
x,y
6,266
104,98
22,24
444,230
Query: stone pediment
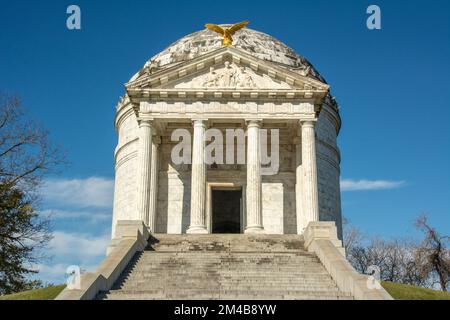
x,y
226,70
230,75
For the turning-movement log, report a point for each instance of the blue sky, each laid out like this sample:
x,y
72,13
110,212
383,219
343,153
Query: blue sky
x,y
392,86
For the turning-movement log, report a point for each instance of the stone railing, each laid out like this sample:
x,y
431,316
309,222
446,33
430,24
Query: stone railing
x,y
321,238
131,237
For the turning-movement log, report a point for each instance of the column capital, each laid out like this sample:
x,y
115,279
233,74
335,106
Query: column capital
x,y
253,122
310,123
145,121
199,122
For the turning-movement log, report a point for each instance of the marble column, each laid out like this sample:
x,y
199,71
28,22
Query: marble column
x,y
144,169
298,186
154,184
198,180
309,172
253,192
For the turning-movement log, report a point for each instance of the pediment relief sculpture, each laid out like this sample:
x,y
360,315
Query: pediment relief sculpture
x,y
232,76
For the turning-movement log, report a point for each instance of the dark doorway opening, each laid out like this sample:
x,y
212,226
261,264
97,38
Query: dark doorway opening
x,y
226,211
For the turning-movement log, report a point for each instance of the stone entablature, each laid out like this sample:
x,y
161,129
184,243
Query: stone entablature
x,y
230,110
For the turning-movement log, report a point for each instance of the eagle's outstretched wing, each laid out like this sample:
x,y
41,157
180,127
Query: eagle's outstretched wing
x,y
238,26
215,27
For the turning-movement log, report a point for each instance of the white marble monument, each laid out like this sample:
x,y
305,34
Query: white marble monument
x,y
197,84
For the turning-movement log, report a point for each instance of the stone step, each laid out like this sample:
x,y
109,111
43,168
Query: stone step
x,y
311,287
254,265
233,242
218,255
234,279
230,281
200,239
251,288
227,261
226,258
222,283
183,291
225,272
171,269
223,297
228,295
257,262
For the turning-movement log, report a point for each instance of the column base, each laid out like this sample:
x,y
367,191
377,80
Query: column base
x,y
254,229
197,230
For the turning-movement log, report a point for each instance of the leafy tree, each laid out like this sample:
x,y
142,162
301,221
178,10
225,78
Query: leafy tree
x,y
26,156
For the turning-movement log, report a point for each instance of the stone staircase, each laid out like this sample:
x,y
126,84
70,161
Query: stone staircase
x,y
226,267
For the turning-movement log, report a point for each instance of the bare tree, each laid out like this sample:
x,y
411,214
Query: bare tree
x,y
433,254
26,156
396,259
363,256
352,235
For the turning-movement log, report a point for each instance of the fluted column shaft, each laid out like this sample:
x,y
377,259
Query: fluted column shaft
x,y
309,170
298,186
144,169
198,180
154,184
253,191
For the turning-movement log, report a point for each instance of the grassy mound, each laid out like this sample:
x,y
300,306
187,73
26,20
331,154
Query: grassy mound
x,y
48,293
406,292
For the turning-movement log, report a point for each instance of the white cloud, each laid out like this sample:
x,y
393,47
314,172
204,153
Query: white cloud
x,y
92,216
50,273
70,248
78,246
81,193
356,185
56,273
79,206
51,269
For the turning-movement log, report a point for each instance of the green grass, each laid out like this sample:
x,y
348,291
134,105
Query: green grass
x,y
406,292
48,293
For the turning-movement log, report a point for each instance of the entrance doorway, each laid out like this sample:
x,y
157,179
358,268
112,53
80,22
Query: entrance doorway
x,y
226,211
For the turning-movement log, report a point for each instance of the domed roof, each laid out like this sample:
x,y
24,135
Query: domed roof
x,y
258,44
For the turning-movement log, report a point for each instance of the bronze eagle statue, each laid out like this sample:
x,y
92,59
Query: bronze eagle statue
x,y
227,32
